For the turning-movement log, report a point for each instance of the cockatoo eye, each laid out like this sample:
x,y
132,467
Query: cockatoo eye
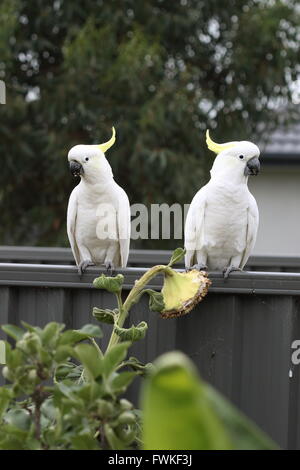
x,y
86,159
241,157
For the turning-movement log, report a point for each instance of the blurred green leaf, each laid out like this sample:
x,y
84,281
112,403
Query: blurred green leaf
x,y
18,418
90,358
14,331
176,412
62,353
182,412
32,329
114,441
114,357
93,331
243,432
5,397
71,337
68,371
121,381
14,438
84,441
51,333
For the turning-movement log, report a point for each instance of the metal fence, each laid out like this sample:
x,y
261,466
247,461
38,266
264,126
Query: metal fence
x,y
239,337
137,258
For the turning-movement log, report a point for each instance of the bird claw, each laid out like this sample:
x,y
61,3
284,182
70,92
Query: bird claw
x,y
229,269
83,265
110,268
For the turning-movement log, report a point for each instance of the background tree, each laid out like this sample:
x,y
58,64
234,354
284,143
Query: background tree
x,y
160,71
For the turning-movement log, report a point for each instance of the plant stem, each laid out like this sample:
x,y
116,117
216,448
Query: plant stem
x,y
37,400
114,337
133,297
94,342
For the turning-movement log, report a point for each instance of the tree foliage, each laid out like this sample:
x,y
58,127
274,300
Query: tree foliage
x,y
160,71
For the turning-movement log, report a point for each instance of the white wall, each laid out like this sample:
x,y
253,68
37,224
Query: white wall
x,y
277,192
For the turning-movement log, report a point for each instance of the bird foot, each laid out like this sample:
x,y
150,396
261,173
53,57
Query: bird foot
x,y
198,267
229,269
110,268
83,265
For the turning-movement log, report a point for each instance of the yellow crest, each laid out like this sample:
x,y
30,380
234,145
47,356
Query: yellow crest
x,y
109,143
217,148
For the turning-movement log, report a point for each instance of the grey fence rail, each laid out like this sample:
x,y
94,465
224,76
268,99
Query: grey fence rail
x,y
138,258
239,337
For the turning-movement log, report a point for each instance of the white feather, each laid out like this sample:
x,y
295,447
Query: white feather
x,y
71,224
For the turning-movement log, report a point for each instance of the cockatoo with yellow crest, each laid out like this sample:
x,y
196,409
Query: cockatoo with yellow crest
x,y
98,219
222,220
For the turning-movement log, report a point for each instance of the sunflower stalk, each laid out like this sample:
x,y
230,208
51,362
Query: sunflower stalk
x,y
133,297
180,293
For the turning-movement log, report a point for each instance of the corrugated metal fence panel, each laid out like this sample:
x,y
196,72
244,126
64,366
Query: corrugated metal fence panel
x,y
239,337
63,256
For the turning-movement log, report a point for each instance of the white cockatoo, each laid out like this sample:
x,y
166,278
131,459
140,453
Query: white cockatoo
x,y
98,219
222,220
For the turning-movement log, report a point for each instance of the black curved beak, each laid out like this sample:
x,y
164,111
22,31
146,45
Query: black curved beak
x,y
252,167
76,168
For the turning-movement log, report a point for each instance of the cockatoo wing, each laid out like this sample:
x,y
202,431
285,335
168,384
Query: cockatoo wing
x,y
71,224
123,220
252,226
194,227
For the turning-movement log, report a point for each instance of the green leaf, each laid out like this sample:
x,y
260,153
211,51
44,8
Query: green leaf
x,y
114,442
176,412
5,396
18,418
14,357
13,438
14,331
92,331
135,364
121,381
90,358
2,352
182,412
50,333
243,432
71,337
67,390
111,284
62,353
48,409
90,391
68,371
84,441
105,315
114,357
156,300
32,329
177,256
132,334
